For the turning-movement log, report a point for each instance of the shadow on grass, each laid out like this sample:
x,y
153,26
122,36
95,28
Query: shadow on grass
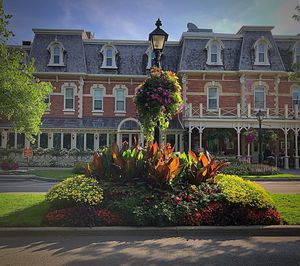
x,y
30,216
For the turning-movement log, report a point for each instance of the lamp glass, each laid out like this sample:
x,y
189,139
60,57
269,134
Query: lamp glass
x,y
157,42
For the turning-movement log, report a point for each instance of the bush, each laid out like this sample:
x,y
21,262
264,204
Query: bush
x,y
76,190
243,192
236,168
262,169
79,168
9,164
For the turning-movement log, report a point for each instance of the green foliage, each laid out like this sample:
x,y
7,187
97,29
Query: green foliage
x,y
297,16
76,190
236,168
262,169
244,192
158,99
203,168
79,168
21,95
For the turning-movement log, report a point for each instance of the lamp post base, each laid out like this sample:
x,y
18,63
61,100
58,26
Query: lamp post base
x,y
286,162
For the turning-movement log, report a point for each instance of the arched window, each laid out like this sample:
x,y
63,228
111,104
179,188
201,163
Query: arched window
x,y
261,48
56,51
214,49
109,53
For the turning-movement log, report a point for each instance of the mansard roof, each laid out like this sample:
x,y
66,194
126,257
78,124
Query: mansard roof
x,y
84,55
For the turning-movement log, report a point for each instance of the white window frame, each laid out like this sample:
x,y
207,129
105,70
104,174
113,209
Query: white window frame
x,y
297,89
116,100
65,98
51,48
104,50
125,89
102,96
296,52
220,47
261,88
267,46
217,98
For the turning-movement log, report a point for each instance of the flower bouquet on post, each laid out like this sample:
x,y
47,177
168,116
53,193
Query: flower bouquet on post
x,y
157,100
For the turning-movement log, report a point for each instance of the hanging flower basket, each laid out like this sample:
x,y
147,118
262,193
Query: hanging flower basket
x,y
250,136
158,99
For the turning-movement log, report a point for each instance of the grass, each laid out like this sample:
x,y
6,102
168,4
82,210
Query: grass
x,y
289,207
282,175
30,209
22,209
53,173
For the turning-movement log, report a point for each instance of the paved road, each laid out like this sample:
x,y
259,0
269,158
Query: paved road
x,y
10,185
281,187
30,185
146,250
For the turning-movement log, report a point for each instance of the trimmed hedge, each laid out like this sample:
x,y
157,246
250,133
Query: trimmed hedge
x,y
243,192
76,190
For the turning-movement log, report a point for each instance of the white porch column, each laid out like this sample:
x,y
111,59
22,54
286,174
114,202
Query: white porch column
x,y
286,157
4,139
201,128
119,141
238,131
190,138
176,142
62,140
50,140
296,148
38,140
181,147
248,152
73,140
142,139
96,141
84,141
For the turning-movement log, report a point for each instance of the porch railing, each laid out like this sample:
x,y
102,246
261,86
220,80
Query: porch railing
x,y
286,112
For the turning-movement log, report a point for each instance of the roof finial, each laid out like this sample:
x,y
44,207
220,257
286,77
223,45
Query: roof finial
x,y
158,23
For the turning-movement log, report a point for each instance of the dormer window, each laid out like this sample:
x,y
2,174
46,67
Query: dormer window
x,y
214,49
297,53
261,48
56,51
150,57
109,53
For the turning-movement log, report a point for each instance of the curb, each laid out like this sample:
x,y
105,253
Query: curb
x,y
27,177
178,231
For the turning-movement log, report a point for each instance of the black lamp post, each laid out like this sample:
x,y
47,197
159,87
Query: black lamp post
x,y
158,37
259,116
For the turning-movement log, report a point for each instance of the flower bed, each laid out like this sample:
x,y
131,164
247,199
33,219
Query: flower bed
x,y
157,187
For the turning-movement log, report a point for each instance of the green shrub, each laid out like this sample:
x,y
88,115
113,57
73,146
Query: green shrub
x,y
75,190
262,169
79,168
236,168
244,192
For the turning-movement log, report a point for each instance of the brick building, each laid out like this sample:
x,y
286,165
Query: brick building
x,y
226,79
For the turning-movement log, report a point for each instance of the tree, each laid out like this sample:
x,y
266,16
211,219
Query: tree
x,y
297,16
22,96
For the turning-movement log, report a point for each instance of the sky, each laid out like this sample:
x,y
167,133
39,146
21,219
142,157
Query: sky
x,y
134,20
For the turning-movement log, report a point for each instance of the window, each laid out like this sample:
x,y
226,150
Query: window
x,y
11,140
296,97
90,141
120,100
109,53
112,138
214,54
102,140
20,140
69,99
261,48
109,57
57,141
80,141
98,100
67,141
44,140
213,99
259,99
214,49
56,51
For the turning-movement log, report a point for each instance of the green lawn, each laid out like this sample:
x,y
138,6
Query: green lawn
x,y
30,209
289,207
283,175
53,173
22,209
